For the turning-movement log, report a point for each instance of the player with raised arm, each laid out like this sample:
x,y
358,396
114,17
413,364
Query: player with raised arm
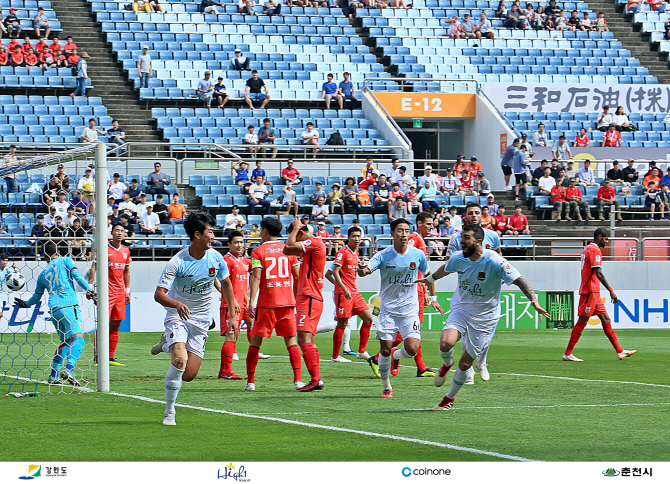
x,y
118,276
58,279
185,290
399,265
238,268
348,301
272,300
590,303
309,297
475,306
473,215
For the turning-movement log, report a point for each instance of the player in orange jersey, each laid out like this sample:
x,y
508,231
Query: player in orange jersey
x,y
272,277
590,303
348,301
238,267
309,301
118,257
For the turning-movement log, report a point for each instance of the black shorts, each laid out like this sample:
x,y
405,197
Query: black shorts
x,y
521,178
507,170
216,94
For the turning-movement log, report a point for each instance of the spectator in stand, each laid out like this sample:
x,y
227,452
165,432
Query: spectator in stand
x,y
616,176
30,58
41,22
40,45
319,193
270,8
587,23
405,181
483,185
134,190
289,199
561,205
368,169
396,193
546,183
242,173
540,136
70,46
61,204
468,182
290,174
251,138
3,30
501,223
413,202
574,23
157,181
310,137
10,178
232,219
607,197
611,137
501,11
209,6
82,73
266,139
450,185
561,21
50,218
128,207
456,220
514,18
538,173
507,161
620,120
156,6
27,44
38,230
604,119
350,195
653,176
17,59
246,7
665,179
484,27
320,211
142,205
382,196
574,197
601,23
586,176
520,165
258,193
561,150
581,140
80,205
12,24
336,200
468,27
117,135
252,91
473,167
664,196
142,5
4,58
430,177
556,168
117,188
59,57
552,9
12,45
459,166
62,178
487,220
562,179
220,93
161,210
144,69
519,222
47,60
393,172
524,141
570,171
239,62
398,4
205,89
427,196
651,168
50,191
454,30
329,90
347,91
653,200
149,222
176,211
90,133
491,204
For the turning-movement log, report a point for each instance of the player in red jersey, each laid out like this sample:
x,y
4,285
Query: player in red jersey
x,y
590,303
238,267
309,300
272,279
118,257
348,301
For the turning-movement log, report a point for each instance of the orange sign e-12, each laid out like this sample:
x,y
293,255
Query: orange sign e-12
x,y
428,105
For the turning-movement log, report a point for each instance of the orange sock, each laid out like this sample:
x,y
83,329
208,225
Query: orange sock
x,y
337,341
310,355
365,336
296,363
252,362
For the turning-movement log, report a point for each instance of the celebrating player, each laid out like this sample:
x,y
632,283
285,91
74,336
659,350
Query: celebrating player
x,y
58,279
590,303
473,215
185,290
400,265
238,268
118,256
272,276
348,301
309,301
475,306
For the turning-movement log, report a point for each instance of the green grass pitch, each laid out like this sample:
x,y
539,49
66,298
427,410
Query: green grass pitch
x,y
587,414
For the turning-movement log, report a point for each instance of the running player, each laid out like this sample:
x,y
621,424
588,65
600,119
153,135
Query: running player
x,y
473,215
475,306
185,290
272,282
118,257
590,303
399,266
238,268
58,278
309,301
348,301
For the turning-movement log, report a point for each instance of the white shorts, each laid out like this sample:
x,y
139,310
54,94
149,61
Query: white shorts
x,y
475,338
193,333
389,325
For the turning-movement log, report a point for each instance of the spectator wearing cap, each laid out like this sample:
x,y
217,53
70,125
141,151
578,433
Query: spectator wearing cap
x,y
205,88
62,178
144,69
61,204
50,218
529,145
10,178
651,168
507,162
149,222
561,150
220,93
209,6
615,175
491,204
336,200
252,90
540,136
571,171
12,24
337,233
116,188
157,181
483,185
586,176
427,196
271,7
430,176
239,62
611,137
607,197
473,167
450,185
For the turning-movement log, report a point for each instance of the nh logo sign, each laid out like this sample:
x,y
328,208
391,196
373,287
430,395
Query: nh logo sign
x,y
634,308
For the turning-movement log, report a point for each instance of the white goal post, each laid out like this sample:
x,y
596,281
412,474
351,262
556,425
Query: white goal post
x,y
101,274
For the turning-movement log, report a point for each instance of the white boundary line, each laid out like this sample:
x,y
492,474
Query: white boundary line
x,y
585,379
336,429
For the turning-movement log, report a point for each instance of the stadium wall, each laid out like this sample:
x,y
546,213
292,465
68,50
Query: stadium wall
x,y
375,114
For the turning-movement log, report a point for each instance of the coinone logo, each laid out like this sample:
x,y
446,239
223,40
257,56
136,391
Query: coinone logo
x,y
406,471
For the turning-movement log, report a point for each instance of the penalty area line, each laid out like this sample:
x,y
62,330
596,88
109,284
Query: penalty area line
x,y
336,429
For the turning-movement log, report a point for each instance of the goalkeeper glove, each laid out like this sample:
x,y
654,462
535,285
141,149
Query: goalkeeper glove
x,y
20,303
90,294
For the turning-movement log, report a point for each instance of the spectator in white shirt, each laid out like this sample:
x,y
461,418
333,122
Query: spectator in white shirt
x,y
232,219
311,137
149,222
90,133
116,188
128,207
604,119
405,181
320,211
450,184
456,220
50,218
539,137
430,176
69,219
257,193
251,139
393,173
61,204
547,182
143,205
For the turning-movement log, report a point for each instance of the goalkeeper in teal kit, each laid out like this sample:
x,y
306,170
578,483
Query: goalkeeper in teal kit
x,y
58,279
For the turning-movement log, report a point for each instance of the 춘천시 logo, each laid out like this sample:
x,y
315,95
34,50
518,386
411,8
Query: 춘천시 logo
x,y
33,472
611,472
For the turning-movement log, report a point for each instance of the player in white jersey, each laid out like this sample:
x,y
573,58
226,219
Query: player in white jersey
x,y
399,266
475,306
473,215
185,290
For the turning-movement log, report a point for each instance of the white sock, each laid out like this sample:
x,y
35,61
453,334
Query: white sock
x,y
326,327
459,379
172,387
346,338
385,370
447,357
166,348
402,353
482,358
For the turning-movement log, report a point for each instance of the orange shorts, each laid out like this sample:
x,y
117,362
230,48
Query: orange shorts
x,y
309,311
590,305
117,307
348,308
225,317
282,320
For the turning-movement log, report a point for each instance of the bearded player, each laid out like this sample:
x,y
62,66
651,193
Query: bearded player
x,y
309,301
118,256
590,303
272,283
185,290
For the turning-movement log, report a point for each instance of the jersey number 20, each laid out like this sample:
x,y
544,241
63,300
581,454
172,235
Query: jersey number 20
x,y
281,264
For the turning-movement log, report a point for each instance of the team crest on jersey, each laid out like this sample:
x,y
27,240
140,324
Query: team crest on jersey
x,y
212,271
481,276
412,266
